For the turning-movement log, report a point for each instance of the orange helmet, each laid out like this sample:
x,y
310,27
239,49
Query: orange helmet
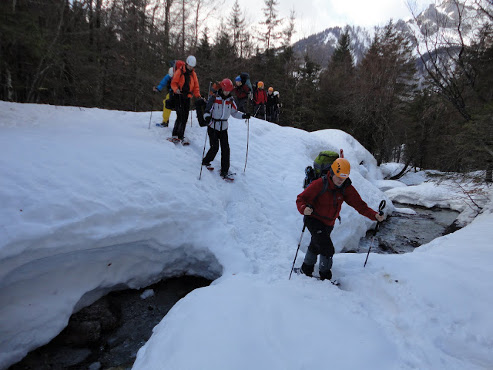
x,y
341,168
226,85
260,85
271,89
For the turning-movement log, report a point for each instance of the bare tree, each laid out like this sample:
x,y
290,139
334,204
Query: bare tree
x,y
443,57
47,61
289,30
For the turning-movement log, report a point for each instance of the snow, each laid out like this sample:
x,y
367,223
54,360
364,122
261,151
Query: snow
x,y
95,200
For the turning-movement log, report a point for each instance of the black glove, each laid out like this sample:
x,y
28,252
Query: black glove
x,y
207,118
246,116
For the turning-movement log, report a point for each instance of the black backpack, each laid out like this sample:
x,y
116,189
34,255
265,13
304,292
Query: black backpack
x,y
200,110
245,79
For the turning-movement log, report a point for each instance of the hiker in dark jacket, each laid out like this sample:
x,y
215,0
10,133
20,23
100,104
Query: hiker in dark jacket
x,y
242,92
321,212
272,105
219,108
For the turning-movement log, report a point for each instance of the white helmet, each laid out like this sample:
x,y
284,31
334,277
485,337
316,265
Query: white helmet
x,y
170,72
191,61
276,93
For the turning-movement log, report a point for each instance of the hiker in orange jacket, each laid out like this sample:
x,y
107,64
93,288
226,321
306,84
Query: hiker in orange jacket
x,y
184,85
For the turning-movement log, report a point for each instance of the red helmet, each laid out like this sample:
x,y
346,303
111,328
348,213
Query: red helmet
x,y
226,85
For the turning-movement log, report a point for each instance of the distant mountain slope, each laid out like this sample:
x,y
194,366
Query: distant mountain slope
x,y
320,46
438,22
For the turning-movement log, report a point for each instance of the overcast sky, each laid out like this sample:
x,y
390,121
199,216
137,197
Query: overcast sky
x,y
313,16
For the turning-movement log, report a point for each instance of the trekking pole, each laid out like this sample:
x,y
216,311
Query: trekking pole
x,y
150,118
203,153
255,115
296,255
380,212
248,139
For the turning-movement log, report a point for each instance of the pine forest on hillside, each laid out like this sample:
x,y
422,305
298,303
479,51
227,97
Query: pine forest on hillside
x,y
422,99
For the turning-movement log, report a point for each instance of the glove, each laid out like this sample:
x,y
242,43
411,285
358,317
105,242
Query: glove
x,y
308,211
154,89
207,118
246,116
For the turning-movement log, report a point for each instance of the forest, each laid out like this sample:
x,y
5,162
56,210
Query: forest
x,y
422,100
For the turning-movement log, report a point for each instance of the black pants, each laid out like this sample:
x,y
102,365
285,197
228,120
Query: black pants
x,y
241,104
260,111
320,244
217,138
182,109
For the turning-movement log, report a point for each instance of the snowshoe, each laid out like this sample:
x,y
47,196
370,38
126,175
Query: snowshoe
x,y
227,176
208,166
185,141
298,271
162,124
174,139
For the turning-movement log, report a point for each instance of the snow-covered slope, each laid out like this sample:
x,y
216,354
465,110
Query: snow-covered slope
x,y
93,200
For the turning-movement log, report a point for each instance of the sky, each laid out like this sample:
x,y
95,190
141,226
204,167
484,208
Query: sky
x,y
314,16
93,199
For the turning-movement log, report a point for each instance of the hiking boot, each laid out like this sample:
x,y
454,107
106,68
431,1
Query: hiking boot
x,y
164,124
325,275
307,270
207,164
185,141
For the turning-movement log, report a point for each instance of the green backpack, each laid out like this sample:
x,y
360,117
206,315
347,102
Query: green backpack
x,y
321,166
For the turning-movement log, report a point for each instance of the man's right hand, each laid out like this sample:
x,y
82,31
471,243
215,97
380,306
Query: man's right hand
x,y
308,211
154,89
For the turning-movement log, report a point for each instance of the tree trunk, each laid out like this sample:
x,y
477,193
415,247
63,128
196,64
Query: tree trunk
x,y
489,171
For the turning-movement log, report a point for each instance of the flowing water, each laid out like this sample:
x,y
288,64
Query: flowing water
x,y
402,233
108,333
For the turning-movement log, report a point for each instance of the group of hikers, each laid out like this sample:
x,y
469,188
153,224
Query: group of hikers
x,y
321,201
264,104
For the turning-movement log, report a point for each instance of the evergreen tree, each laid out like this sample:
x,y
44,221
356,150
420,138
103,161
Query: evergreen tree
x,y
271,23
240,37
384,86
337,86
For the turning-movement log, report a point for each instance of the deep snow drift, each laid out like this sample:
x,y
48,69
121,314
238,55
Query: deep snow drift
x,y
93,200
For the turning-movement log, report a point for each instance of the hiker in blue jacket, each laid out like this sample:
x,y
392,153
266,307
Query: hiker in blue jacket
x,y
165,82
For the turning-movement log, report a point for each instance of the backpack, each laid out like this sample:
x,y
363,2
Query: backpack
x,y
200,110
171,103
245,80
321,166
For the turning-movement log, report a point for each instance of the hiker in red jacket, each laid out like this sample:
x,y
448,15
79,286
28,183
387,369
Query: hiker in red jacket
x,y
321,209
259,99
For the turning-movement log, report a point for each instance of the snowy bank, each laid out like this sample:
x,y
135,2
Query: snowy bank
x,y
94,200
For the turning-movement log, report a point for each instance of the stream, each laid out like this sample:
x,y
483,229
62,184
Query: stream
x,y
402,233
108,333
